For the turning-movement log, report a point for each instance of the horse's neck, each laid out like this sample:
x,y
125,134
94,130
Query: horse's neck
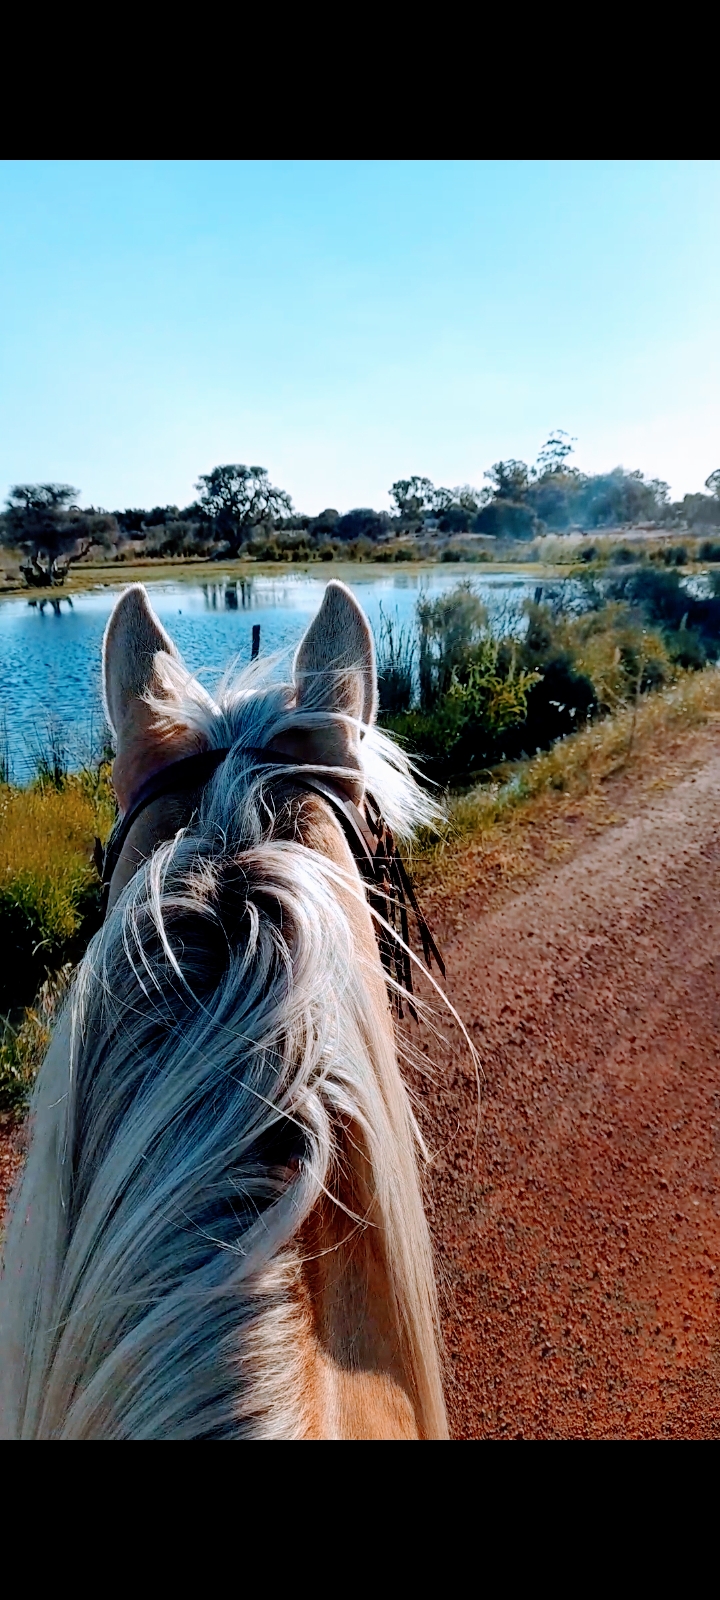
x,y
358,1386
359,1382
347,1347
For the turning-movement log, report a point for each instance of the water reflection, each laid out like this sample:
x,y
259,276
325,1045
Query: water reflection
x,y
54,601
229,595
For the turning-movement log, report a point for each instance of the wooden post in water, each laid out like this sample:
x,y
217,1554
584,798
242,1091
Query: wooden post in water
x,y
254,653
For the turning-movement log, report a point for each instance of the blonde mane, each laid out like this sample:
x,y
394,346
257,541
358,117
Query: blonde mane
x,y
218,1033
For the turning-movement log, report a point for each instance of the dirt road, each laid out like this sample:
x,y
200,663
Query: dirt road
x,y
577,1221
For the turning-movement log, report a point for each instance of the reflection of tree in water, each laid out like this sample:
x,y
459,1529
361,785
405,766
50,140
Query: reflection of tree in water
x,y
233,595
53,601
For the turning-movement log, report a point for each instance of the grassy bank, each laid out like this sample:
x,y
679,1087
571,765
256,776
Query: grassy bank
x,y
49,905
545,556
49,889
107,574
493,822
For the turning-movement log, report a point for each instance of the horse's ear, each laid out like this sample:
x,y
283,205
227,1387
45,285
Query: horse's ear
x,y
335,662
139,658
334,671
133,637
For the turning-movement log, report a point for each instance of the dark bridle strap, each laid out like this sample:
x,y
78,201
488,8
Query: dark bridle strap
x,y
180,777
371,841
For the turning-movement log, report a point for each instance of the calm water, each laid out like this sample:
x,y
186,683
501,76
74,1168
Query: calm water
x,y
50,656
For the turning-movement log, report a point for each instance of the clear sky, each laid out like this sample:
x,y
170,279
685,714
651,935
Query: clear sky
x,y
347,323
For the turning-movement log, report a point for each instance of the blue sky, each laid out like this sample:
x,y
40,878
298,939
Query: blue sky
x,y
346,323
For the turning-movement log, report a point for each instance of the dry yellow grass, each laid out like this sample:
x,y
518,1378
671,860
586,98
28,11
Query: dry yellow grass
x,y
47,830
48,902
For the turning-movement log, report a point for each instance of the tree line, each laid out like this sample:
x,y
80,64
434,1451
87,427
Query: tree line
x,y
238,511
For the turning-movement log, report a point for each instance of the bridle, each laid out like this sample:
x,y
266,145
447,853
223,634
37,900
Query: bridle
x,y
389,887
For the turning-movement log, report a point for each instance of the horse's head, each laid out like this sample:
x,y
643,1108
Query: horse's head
x,y
160,715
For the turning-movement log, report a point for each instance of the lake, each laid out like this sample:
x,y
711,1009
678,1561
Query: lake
x,y
50,652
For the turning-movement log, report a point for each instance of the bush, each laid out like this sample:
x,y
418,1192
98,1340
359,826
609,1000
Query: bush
x,y
672,555
472,687
396,650
449,629
178,538
466,729
686,649
362,523
665,602
560,701
455,519
604,650
505,519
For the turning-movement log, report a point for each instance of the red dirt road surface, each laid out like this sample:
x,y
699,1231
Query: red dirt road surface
x,y
577,1219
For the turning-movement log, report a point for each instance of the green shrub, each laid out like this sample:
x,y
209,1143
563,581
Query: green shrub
x,y
396,651
449,629
463,728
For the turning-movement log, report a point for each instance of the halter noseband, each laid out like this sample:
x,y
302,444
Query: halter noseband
x,y
389,887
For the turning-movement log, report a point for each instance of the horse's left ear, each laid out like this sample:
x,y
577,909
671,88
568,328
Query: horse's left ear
x,y
334,671
140,659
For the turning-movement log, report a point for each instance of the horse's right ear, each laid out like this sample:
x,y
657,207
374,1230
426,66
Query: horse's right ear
x,y
140,659
335,664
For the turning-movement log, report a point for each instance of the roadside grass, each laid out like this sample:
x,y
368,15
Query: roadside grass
x,y
49,902
493,820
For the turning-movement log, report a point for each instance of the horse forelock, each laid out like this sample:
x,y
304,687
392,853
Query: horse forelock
x,y
223,1023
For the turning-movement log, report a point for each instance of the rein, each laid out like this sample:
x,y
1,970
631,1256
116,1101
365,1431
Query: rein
x,y
389,886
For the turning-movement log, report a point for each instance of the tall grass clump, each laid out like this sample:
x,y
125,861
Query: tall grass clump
x,y
49,888
396,651
471,687
51,754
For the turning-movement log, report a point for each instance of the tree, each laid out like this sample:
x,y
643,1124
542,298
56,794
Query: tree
x,y
506,519
620,497
713,483
45,522
361,523
509,480
555,454
413,497
456,508
239,499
